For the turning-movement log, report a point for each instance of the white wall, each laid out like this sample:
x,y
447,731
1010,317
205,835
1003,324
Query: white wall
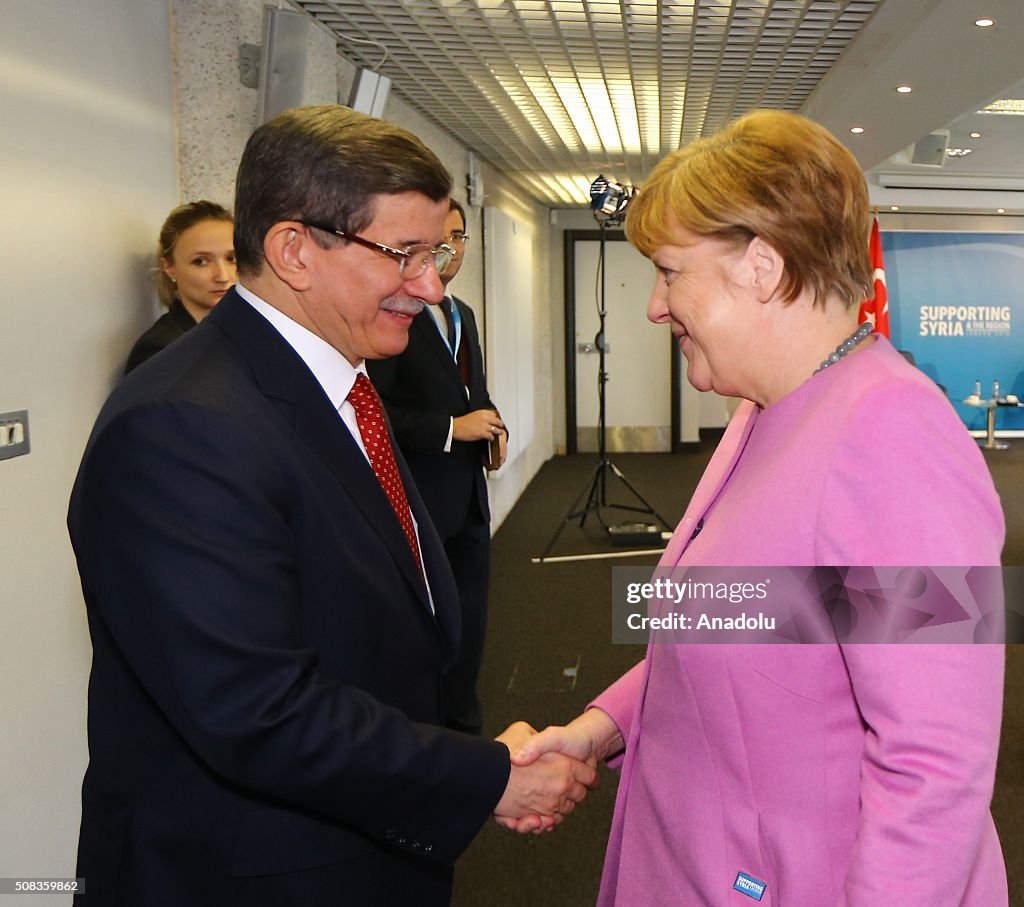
x,y
506,485
508,259
87,157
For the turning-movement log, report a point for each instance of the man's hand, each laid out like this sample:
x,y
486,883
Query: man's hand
x,y
516,734
588,739
539,795
479,425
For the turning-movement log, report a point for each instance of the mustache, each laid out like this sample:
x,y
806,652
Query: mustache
x,y
403,305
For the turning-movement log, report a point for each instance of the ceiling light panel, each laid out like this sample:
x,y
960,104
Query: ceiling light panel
x,y
553,92
1006,107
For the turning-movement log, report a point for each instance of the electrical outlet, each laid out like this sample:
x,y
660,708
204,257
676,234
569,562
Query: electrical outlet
x,y
13,434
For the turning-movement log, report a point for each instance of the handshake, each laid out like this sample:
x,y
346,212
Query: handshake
x,y
553,770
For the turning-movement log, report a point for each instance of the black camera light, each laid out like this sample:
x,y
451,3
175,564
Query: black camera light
x,y
609,200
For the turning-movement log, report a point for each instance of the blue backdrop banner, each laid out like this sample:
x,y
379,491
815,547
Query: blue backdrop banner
x,y
956,301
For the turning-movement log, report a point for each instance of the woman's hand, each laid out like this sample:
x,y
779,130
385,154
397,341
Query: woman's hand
x,y
590,738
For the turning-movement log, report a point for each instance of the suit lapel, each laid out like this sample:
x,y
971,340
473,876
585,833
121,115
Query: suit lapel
x,y
284,379
715,476
435,559
432,340
470,338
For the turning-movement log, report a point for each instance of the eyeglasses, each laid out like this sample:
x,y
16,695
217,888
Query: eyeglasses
x,y
456,239
412,262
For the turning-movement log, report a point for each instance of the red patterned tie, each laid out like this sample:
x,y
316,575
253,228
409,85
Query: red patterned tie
x,y
374,432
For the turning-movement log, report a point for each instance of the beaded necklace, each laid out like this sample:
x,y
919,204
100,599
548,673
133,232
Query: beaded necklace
x,y
846,346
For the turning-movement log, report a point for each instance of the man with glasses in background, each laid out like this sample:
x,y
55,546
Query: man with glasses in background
x,y
447,426
271,609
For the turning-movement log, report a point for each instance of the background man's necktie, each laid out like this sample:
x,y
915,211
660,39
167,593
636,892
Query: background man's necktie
x,y
374,432
446,307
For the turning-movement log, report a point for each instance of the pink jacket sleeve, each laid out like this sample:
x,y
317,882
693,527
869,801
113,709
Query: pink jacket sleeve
x,y
619,702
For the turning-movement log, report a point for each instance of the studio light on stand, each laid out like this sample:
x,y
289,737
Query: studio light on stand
x,y
609,202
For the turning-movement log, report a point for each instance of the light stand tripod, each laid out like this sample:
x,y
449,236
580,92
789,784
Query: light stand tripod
x,y
595,492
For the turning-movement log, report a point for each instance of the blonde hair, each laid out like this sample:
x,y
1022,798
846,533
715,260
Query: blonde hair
x,y
178,221
774,175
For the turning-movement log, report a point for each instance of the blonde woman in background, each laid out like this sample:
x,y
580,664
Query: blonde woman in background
x,y
195,268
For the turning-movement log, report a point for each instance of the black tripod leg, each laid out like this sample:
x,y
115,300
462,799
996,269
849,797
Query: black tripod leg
x,y
647,508
587,492
593,499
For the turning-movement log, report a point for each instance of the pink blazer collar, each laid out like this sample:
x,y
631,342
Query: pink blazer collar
x,y
718,470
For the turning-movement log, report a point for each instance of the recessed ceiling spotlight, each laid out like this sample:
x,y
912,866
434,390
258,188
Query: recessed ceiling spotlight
x,y
904,89
958,152
984,23
856,130
975,135
894,207
1000,210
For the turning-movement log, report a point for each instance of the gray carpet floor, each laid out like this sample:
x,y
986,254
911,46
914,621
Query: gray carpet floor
x,y
549,652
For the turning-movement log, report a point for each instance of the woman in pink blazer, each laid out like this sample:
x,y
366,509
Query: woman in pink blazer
x,y
800,775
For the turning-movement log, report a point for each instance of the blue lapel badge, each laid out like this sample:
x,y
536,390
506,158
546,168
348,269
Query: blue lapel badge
x,y
751,887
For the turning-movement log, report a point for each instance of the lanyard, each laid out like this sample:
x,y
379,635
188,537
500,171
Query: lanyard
x,y
456,320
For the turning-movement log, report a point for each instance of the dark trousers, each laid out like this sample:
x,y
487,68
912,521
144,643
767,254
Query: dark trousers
x,y
469,553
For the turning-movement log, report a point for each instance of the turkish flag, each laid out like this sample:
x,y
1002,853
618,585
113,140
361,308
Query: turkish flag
x,y
876,309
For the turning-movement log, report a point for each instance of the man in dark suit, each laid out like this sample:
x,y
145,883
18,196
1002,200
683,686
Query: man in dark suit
x,y
444,420
270,607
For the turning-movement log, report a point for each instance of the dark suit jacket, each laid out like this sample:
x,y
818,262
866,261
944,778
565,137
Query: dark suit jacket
x,y
174,323
422,390
265,686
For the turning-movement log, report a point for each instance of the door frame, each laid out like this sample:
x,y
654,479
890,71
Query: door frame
x,y
571,238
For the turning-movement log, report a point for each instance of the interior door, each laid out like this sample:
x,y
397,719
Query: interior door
x,y
638,354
